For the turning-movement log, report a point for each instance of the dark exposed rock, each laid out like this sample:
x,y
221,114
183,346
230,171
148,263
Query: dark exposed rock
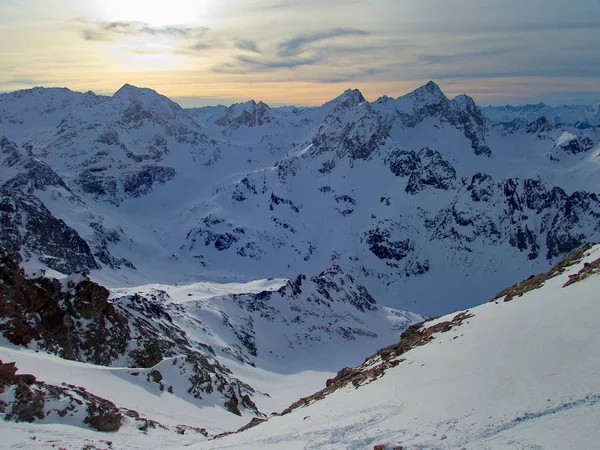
x,y
384,247
28,228
352,129
75,324
224,241
275,200
327,166
143,181
562,222
249,114
576,145
430,102
156,376
103,415
254,422
75,320
538,126
423,169
29,400
232,405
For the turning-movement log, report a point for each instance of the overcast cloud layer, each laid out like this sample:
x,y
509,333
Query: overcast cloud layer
x,y
308,51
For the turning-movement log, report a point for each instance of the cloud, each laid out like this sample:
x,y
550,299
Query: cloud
x,y
286,5
247,45
108,31
345,76
441,58
298,44
200,45
292,53
248,64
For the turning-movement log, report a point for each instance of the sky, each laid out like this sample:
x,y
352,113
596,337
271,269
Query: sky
x,y
306,52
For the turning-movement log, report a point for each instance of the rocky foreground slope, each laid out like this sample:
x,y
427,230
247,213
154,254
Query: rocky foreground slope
x,y
207,347
519,371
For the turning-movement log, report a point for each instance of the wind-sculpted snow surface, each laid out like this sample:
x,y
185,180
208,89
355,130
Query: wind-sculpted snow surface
x,y
414,197
512,373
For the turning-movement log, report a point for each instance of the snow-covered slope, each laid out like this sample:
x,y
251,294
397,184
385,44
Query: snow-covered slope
x,y
206,357
517,372
415,197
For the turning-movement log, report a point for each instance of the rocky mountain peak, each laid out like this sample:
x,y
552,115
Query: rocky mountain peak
x,y
431,91
349,99
248,114
134,94
429,95
131,91
141,104
463,100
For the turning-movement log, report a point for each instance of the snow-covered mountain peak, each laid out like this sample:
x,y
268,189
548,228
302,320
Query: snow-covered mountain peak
x,y
151,100
427,95
432,88
39,91
350,98
130,91
384,99
248,114
393,181
37,101
463,100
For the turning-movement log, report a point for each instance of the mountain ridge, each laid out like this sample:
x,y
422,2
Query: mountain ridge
x,y
450,186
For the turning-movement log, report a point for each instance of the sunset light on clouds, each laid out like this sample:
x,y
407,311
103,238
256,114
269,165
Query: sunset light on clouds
x,y
305,52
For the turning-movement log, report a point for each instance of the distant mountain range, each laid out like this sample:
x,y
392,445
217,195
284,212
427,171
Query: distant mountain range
x,y
415,197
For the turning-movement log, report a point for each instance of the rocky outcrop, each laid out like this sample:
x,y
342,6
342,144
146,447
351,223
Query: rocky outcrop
x,y
352,129
539,126
74,319
562,223
375,366
31,400
574,145
29,229
536,281
429,102
426,168
143,181
27,399
249,114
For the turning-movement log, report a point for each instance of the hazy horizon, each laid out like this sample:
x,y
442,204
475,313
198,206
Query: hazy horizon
x,y
199,102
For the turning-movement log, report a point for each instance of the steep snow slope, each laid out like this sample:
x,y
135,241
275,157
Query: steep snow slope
x,y
507,374
414,196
